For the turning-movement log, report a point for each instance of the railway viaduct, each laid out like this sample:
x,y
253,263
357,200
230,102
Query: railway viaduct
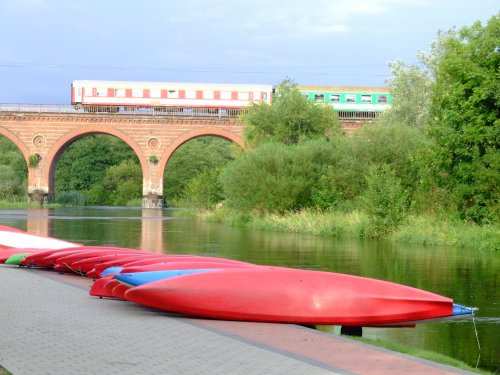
x,y
42,137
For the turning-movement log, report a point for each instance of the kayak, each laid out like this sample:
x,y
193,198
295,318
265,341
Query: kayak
x,y
282,295
15,238
141,278
182,266
16,259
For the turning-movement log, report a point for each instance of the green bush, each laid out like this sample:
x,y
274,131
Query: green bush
x,y
275,177
71,198
204,190
123,182
290,119
384,200
192,159
11,185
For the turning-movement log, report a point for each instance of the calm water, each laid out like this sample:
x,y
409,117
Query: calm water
x,y
471,278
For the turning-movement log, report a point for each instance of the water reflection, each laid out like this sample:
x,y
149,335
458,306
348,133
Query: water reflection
x,y
37,221
152,230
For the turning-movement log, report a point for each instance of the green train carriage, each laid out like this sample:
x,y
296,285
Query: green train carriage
x,y
351,102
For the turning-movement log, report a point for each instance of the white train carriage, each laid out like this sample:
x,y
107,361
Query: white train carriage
x,y
114,96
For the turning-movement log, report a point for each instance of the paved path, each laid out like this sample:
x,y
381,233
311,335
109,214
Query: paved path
x,y
49,325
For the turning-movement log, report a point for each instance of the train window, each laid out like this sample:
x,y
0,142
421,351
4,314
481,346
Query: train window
x,y
350,98
190,94
225,95
335,98
208,94
120,93
382,99
244,96
366,98
319,97
155,92
263,96
102,91
137,93
250,96
173,94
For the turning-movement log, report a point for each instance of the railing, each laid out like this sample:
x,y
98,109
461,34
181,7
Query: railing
x,y
115,110
361,115
158,111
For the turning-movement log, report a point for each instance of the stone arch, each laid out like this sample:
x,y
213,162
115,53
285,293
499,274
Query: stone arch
x,y
15,140
50,160
216,132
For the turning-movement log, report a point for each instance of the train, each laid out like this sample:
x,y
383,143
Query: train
x,y
126,96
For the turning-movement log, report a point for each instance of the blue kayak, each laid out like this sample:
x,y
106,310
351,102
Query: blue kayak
x,y
140,278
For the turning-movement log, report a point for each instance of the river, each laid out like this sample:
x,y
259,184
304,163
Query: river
x,y
468,276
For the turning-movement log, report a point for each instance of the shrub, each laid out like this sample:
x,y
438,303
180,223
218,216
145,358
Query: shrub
x,y
71,198
204,190
275,177
385,201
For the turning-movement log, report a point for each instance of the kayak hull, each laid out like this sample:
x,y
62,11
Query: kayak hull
x,y
273,294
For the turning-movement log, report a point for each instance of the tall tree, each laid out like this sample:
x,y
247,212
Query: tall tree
x,y
466,117
411,86
289,119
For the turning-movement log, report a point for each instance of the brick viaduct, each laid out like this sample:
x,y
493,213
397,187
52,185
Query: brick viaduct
x,y
154,139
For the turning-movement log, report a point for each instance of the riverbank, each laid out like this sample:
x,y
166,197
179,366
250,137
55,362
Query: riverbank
x,y
424,354
21,204
418,230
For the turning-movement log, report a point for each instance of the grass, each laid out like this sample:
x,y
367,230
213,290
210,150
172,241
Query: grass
x,y
421,230
420,353
12,204
4,371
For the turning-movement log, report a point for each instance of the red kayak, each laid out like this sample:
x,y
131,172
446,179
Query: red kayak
x,y
282,295
98,289
69,259
88,264
183,266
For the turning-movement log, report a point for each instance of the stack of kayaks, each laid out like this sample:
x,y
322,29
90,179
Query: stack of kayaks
x,y
219,288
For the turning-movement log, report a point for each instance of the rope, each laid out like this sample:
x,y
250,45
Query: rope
x,y
477,338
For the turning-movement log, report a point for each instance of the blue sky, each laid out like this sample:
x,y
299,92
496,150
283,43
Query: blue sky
x,y
48,43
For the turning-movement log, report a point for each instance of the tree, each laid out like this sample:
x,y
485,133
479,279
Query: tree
x,y
411,86
289,119
466,117
123,182
192,159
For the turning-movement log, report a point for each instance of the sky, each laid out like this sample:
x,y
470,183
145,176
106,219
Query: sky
x,y
48,43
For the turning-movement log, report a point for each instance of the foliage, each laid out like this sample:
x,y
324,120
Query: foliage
x,y
33,160
465,118
274,177
192,159
153,159
411,87
204,190
13,171
289,119
384,200
85,161
71,198
123,182
10,183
